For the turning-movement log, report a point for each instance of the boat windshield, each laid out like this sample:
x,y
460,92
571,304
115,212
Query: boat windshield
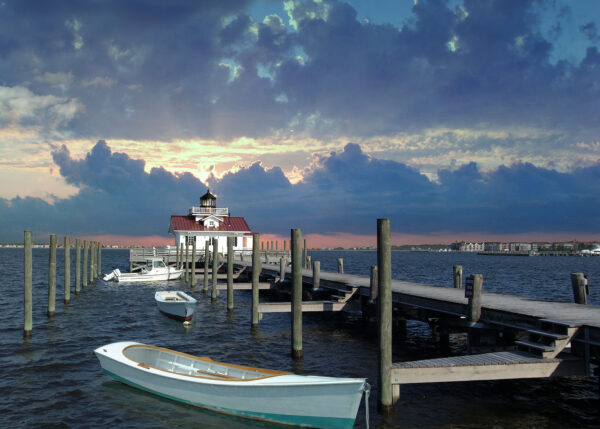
x,y
159,264
149,264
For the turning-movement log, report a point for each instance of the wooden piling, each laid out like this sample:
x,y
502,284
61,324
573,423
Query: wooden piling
x,y
67,293
285,245
384,264
92,272
296,293
282,265
374,284
52,276
186,262
28,285
77,265
177,257
96,272
304,256
85,261
91,264
316,266
229,273
99,263
580,292
340,262
458,276
180,265
473,290
95,260
255,276
206,259
193,276
215,269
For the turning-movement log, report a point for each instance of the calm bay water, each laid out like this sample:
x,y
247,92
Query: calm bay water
x,y
54,379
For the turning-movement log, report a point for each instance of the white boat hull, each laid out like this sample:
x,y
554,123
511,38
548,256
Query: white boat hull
x,y
170,274
175,304
320,402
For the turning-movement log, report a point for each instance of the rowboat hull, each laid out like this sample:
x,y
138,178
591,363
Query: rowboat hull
x,y
175,304
320,402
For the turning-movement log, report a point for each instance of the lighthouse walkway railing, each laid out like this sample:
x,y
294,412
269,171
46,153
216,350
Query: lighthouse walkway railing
x,y
169,253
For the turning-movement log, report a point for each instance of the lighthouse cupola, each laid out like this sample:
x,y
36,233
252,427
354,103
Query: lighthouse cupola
x,y
208,207
208,200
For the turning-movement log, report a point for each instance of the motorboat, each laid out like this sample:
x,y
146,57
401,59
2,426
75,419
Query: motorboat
x,y
154,270
261,394
175,304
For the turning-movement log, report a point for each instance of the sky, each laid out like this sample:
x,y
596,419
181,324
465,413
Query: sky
x,y
458,119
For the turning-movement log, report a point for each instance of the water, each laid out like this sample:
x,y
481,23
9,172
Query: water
x,y
54,379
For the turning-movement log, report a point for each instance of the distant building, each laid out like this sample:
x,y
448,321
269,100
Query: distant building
x,y
463,246
520,247
543,245
207,222
491,247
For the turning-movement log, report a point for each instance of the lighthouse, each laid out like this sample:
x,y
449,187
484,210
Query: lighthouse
x,y
206,222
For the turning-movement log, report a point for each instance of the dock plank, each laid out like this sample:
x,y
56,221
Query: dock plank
x,y
487,366
245,286
307,306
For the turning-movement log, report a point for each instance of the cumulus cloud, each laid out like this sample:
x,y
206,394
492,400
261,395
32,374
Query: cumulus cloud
x,y
20,106
341,193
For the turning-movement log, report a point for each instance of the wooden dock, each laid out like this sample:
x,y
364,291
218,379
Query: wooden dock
x,y
497,309
561,339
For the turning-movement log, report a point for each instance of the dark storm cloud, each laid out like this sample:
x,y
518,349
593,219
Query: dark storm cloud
x,y
484,63
341,192
116,196
207,69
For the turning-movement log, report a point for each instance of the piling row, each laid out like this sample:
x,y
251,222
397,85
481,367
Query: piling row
x,y
95,263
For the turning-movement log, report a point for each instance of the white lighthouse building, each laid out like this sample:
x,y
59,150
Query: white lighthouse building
x,y
209,221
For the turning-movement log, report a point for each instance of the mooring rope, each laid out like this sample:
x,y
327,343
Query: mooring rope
x,y
367,390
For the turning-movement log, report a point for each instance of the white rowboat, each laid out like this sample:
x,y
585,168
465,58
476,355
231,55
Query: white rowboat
x,y
155,270
281,397
175,304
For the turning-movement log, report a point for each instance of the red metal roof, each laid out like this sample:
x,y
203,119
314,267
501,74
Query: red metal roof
x,y
187,223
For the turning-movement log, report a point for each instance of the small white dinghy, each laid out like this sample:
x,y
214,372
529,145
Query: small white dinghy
x,y
176,304
155,270
275,396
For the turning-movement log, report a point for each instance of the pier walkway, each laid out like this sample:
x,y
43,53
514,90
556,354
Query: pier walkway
x,y
562,338
507,310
